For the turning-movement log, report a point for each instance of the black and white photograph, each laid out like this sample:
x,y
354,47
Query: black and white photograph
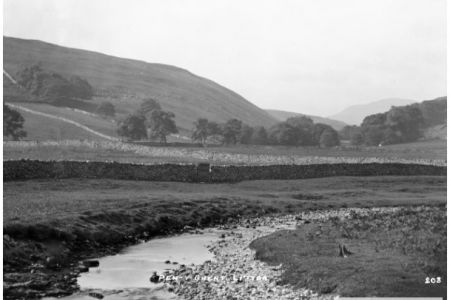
x,y
224,149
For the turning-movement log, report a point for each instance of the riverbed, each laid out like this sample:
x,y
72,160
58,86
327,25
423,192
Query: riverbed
x,y
214,263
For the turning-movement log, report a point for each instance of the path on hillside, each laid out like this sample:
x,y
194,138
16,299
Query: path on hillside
x,y
38,113
10,77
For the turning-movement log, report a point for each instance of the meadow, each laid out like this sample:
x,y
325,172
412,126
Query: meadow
x,y
392,254
49,201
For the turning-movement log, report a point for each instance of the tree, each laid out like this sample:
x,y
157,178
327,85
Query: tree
x,y
231,130
373,135
204,129
148,105
200,132
162,124
13,123
319,128
106,109
81,88
357,139
304,127
214,129
404,124
133,127
283,134
329,138
215,132
349,131
374,120
373,128
259,136
325,136
434,112
245,135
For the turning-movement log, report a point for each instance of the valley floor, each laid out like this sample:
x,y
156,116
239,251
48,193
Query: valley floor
x,y
49,225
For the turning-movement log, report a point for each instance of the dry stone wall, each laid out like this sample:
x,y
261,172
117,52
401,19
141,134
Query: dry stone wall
x,y
35,169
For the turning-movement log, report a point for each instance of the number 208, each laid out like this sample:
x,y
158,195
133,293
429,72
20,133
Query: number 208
x,y
432,280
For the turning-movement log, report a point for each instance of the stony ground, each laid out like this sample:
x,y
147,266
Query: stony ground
x,y
235,274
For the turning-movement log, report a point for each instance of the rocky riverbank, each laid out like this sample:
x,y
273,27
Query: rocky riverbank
x,y
235,273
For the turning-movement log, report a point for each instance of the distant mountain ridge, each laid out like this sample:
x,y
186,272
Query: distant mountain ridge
x,y
281,115
355,114
125,82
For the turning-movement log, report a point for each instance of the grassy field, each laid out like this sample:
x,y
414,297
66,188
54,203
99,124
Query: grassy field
x,y
425,152
392,254
38,201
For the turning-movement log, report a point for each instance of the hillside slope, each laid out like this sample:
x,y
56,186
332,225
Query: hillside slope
x,y
45,122
281,115
42,128
355,114
124,82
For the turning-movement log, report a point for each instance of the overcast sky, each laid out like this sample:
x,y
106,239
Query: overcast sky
x,y
308,56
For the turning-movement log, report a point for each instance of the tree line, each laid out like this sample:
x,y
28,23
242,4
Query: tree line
x,y
401,124
295,131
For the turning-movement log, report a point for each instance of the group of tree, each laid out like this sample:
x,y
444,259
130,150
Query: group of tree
x,y
150,117
233,131
106,109
296,131
12,124
51,85
400,124
302,131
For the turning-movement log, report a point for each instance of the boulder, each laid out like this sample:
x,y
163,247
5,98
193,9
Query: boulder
x,y
154,278
91,263
96,295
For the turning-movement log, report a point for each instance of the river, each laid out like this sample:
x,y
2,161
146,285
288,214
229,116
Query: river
x,y
126,275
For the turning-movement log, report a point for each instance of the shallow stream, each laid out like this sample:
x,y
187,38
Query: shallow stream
x,y
126,274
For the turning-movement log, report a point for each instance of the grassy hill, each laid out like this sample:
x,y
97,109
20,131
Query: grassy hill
x,y
124,82
281,115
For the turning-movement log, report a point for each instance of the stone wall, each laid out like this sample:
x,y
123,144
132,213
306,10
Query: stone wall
x,y
34,169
